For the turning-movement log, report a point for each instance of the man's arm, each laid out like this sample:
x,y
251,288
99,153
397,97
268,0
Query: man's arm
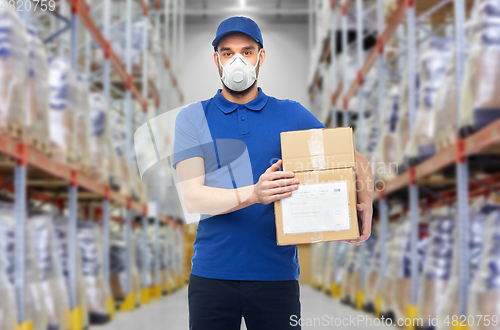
x,y
364,189
273,185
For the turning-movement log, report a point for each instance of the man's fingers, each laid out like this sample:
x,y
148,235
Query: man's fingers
x,y
361,207
279,175
277,197
354,242
274,167
281,183
281,190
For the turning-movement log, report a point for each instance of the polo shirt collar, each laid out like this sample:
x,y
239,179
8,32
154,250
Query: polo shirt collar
x,y
227,106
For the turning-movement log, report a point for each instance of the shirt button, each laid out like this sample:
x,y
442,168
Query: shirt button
x,y
242,118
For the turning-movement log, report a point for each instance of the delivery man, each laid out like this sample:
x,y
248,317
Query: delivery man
x,y
238,270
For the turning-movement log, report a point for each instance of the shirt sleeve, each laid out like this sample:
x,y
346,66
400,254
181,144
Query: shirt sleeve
x,y
186,140
305,119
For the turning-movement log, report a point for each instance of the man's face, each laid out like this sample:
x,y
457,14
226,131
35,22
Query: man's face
x,y
238,43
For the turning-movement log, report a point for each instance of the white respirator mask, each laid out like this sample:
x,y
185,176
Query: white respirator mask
x,y
238,73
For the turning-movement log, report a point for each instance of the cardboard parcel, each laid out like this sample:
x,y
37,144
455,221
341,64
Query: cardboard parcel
x,y
323,208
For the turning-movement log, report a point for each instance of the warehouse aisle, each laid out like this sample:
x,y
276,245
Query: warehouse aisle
x,y
171,313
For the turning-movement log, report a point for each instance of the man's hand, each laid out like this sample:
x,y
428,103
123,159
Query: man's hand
x,y
274,185
365,213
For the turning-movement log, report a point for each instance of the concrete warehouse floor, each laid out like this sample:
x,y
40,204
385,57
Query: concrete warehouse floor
x,y
171,312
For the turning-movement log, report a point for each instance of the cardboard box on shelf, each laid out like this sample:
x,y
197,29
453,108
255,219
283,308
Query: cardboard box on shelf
x,y
324,207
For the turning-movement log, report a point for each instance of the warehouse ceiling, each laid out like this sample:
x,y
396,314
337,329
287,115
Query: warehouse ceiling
x,y
286,11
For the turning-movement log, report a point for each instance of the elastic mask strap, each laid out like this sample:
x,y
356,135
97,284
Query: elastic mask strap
x,y
258,59
218,56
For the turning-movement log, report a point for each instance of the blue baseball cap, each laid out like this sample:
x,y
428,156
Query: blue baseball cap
x,y
238,24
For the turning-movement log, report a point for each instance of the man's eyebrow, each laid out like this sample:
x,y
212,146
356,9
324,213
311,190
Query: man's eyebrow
x,y
222,49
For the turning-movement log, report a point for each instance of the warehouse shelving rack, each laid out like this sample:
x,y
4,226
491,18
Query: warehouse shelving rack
x,y
412,12
30,162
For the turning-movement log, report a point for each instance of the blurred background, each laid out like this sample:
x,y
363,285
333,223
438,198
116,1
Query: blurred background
x,y
92,232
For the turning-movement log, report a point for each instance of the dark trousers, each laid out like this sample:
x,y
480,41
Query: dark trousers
x,y
265,305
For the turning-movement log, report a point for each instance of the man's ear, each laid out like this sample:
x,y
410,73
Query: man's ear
x,y
216,60
262,57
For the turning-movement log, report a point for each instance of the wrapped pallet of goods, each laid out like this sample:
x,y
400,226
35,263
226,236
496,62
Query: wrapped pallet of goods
x,y
356,287
437,267
372,275
318,263
119,42
178,261
38,94
435,54
83,126
174,255
52,283
478,212
96,290
144,257
180,251
168,263
117,135
328,271
350,276
387,148
34,308
385,281
480,100
374,132
8,307
118,258
156,259
8,315
13,72
157,61
172,273
402,133
398,275
340,254
348,62
445,106
63,110
100,155
139,187
162,256
171,257
118,38
484,294
61,229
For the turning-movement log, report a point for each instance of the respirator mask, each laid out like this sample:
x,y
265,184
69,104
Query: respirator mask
x,y
238,73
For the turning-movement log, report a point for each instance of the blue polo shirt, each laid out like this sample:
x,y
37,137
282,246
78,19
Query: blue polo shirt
x,y
239,142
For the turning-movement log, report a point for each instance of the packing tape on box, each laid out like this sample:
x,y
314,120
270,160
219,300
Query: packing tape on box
x,y
316,149
317,237
311,177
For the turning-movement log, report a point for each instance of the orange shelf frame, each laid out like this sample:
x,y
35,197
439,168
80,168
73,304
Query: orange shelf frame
x,y
82,10
36,159
382,39
474,144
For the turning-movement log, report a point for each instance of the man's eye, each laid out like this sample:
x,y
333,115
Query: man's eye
x,y
247,53
227,54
